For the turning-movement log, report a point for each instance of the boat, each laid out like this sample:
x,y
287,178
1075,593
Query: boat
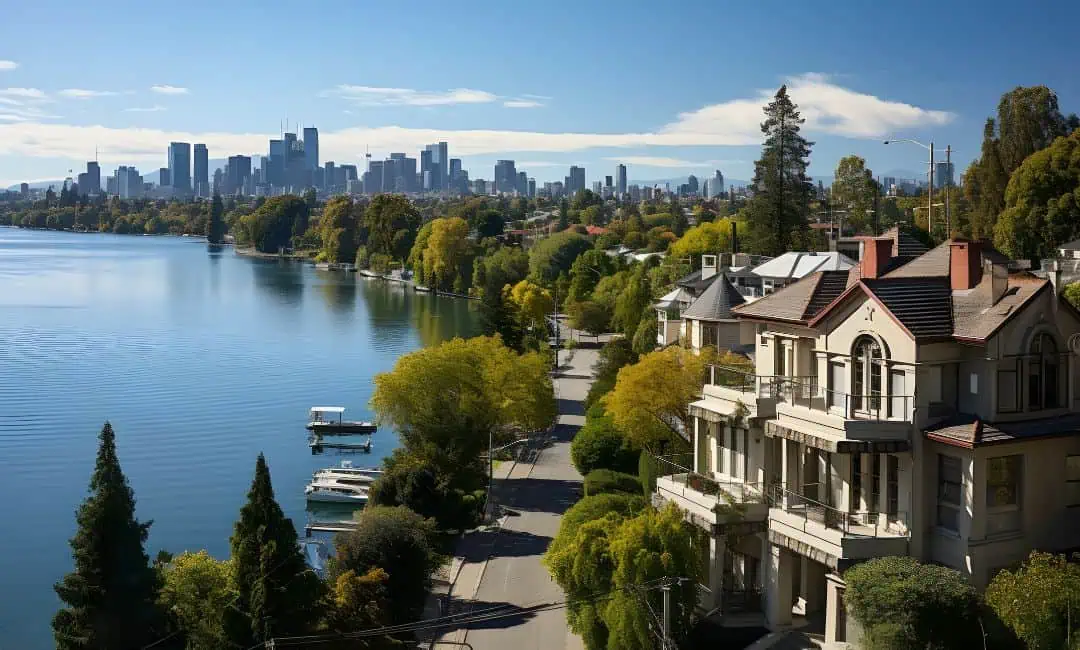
x,y
322,420
347,473
367,273
318,446
421,288
331,491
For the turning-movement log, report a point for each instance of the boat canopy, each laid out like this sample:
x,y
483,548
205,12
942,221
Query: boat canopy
x,y
327,409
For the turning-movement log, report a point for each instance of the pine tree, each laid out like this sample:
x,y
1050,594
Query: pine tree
x,y
277,594
215,225
782,190
111,595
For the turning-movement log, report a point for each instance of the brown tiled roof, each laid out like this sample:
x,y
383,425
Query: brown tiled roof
x,y
716,302
968,431
799,301
977,318
904,245
932,264
922,305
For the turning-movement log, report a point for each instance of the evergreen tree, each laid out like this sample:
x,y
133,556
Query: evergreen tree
x,y
782,190
277,594
110,598
215,226
564,215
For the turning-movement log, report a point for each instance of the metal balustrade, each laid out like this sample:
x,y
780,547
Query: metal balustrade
x,y
724,492
858,524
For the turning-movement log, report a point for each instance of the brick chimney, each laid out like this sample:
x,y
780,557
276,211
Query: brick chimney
x,y
965,264
876,255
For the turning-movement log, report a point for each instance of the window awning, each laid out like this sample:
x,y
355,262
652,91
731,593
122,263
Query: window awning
x,y
777,430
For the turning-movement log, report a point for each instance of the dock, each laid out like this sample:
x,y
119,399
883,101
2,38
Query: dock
x,y
328,527
318,445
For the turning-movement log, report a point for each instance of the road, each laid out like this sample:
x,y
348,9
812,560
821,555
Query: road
x,y
534,496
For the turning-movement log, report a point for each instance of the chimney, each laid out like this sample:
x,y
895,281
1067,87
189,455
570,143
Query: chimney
x,y
965,264
708,266
724,261
999,280
734,236
875,256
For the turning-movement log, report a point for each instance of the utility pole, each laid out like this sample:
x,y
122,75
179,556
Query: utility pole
x,y
948,189
556,325
665,643
930,200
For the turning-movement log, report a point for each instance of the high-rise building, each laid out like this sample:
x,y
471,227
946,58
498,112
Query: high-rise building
x,y
620,179
607,182
164,177
237,175
576,182
202,171
91,184
427,173
692,184
505,176
455,172
439,166
943,174
716,185
129,184
24,189
888,183
532,188
373,177
523,184
328,176
597,187
349,171
180,167
311,148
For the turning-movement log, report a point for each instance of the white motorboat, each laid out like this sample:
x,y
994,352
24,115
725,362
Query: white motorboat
x,y
331,491
347,473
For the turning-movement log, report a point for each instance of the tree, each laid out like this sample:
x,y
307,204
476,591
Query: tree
x,y
778,211
586,272
1072,294
646,334
555,255
270,227
600,445
360,602
453,499
472,389
111,597
632,302
918,605
589,316
651,398
446,250
1028,120
1040,601
337,229
855,191
398,541
605,481
215,227
277,594
1042,203
196,590
385,217
704,239
533,303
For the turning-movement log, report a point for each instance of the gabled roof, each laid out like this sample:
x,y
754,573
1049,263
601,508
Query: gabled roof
x,y
716,303
1074,245
676,296
796,265
922,305
800,301
904,245
968,431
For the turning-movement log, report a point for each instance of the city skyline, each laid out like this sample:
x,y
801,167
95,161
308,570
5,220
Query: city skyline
x,y
53,115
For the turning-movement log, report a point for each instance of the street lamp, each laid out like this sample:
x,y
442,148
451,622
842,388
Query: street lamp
x,y
930,194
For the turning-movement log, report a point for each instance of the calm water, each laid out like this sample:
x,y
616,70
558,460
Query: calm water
x,y
200,361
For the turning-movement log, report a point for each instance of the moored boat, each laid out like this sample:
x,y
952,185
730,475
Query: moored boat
x,y
332,491
322,420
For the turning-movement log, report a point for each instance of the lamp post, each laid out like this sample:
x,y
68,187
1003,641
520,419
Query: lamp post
x,y
930,197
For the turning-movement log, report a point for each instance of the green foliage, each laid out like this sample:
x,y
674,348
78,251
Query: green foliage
x,y
196,590
599,445
272,579
778,211
1072,294
633,301
454,499
271,226
555,255
613,356
707,238
110,599
391,221
854,190
1042,202
648,471
360,602
645,336
925,606
589,316
603,481
586,272
215,225
338,230
398,541
1040,601
445,258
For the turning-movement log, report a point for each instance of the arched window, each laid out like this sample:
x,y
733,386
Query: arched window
x,y
1043,367
866,364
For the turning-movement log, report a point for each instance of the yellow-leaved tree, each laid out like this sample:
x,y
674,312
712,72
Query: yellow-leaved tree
x,y
708,238
533,302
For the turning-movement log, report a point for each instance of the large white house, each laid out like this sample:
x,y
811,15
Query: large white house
x,y
921,405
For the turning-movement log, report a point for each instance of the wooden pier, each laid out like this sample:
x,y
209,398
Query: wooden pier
x,y
319,445
328,527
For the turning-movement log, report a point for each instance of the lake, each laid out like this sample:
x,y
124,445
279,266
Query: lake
x,y
200,360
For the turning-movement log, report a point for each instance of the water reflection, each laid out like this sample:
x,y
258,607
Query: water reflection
x,y
282,278
440,318
339,292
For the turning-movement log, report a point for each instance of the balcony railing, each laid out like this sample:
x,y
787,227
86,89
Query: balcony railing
x,y
808,393
674,468
740,379
856,524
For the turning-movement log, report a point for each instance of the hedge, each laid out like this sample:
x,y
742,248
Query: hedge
x,y
605,481
599,445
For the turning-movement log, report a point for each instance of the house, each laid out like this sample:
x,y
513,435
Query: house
x,y
710,321
1070,251
792,266
669,311
923,405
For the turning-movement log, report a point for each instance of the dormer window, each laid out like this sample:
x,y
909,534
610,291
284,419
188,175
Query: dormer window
x,y
1043,366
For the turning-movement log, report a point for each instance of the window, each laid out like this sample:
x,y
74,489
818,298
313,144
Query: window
x,y
950,494
866,375
1072,480
1003,479
892,484
837,385
1043,373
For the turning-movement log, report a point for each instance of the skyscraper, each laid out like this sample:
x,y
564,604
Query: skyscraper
x,y
577,180
237,175
532,188
179,168
93,178
202,171
523,184
440,166
453,181
620,179
427,173
505,176
164,178
716,185
311,148
129,184
943,174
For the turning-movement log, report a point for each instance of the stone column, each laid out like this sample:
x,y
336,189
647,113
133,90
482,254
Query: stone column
x,y
835,614
780,566
717,546
811,585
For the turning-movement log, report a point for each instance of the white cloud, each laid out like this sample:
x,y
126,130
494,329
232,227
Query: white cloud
x,y
12,117
828,109
8,65
523,103
23,104
81,93
663,161
156,108
375,96
29,93
166,89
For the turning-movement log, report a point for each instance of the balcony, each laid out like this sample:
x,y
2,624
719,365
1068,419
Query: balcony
x,y
803,403
735,385
708,502
839,534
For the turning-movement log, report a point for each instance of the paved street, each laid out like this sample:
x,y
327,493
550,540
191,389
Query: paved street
x,y
533,497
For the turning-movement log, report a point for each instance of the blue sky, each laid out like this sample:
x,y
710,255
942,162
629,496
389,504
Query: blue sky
x,y
670,88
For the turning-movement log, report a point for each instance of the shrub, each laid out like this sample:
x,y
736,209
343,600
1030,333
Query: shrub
x,y
599,445
648,470
606,481
601,386
899,600
1036,600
